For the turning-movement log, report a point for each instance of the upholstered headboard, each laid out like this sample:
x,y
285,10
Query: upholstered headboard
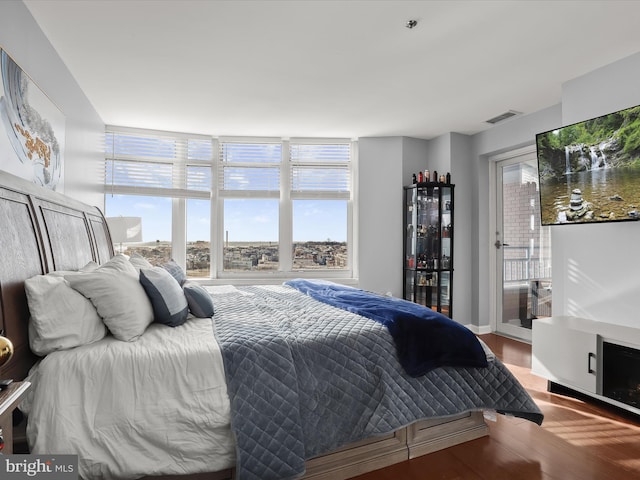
x,y
40,231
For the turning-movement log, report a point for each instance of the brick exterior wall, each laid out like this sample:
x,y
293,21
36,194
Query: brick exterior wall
x,y
527,256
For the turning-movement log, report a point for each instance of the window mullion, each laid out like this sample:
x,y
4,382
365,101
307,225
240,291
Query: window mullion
x,y
286,211
179,231
215,247
179,210
353,213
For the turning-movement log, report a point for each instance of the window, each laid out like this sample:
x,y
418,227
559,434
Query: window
x,y
259,208
286,205
320,234
250,191
154,175
198,238
320,191
155,212
251,235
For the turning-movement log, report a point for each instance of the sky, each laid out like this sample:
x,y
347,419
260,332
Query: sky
x,y
245,219
247,166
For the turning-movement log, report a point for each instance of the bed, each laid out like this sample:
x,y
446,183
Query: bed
x,y
278,383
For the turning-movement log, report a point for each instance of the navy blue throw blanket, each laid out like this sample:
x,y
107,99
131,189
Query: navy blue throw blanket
x,y
424,338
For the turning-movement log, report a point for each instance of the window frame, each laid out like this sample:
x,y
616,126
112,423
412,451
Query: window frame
x,y
285,198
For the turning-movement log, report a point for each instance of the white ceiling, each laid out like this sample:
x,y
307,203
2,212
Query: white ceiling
x,y
330,68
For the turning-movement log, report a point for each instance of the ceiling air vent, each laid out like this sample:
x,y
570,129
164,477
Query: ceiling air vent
x,y
503,116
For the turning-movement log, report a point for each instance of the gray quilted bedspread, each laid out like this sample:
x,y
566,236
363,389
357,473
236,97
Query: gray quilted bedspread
x,y
305,378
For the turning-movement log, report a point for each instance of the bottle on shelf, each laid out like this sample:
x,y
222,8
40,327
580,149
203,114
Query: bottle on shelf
x,y
435,176
426,176
420,177
448,178
413,178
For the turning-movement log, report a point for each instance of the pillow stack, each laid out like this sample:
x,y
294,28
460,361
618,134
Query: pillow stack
x,y
115,291
123,296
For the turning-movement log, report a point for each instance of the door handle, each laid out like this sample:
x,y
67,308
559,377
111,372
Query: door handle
x,y
499,244
589,357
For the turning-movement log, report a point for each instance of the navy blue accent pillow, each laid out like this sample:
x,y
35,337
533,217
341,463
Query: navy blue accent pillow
x,y
199,300
176,271
167,299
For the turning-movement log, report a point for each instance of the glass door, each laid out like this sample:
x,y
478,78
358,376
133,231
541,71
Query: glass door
x,y
523,248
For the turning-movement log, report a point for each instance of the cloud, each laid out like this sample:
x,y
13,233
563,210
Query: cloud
x,y
262,219
145,206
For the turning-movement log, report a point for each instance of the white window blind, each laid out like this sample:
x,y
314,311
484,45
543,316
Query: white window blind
x,y
250,168
157,164
320,169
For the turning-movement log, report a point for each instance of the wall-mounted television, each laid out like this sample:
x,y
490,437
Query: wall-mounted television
x,y
589,172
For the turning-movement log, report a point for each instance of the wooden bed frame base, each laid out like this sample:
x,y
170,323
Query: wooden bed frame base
x,y
418,439
44,231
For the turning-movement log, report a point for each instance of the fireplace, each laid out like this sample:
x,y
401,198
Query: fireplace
x,y
621,373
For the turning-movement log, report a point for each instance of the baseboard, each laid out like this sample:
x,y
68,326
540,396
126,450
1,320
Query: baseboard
x,y
479,330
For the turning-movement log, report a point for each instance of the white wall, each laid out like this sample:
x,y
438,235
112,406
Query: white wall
x,y
380,214
605,90
439,151
595,266
464,177
25,42
415,158
385,166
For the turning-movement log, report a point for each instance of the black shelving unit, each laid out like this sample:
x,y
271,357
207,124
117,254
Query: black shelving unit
x,y
428,245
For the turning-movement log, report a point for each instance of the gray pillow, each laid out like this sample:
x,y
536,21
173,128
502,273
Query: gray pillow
x,y
176,271
168,301
115,291
199,300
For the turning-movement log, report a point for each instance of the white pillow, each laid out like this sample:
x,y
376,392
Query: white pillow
x,y
119,263
115,291
61,318
139,262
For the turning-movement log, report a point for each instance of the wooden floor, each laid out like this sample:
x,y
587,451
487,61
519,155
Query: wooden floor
x,y
577,441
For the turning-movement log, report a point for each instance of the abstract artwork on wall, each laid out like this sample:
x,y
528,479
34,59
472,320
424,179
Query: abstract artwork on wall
x,y
32,129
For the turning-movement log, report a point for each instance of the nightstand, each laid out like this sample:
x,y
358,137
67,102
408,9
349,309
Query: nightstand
x,y
10,397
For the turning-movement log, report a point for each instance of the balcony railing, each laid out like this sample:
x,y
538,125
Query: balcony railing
x,y
523,264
